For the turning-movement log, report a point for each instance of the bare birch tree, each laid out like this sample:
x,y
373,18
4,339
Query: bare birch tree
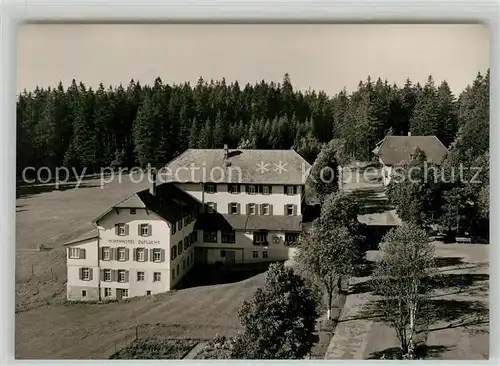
x,y
401,278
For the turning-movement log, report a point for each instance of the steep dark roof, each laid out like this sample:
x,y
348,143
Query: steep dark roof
x,y
219,221
205,161
395,149
170,202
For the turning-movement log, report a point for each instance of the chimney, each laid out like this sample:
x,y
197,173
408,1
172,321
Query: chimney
x,y
226,152
409,133
152,188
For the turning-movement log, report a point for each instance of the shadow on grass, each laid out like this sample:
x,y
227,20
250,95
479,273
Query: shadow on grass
x,y
421,352
462,311
27,191
461,281
448,261
208,275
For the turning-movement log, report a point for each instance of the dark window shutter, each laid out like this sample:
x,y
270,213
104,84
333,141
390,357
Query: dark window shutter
x,y
126,229
294,189
127,254
285,190
238,208
286,210
295,209
150,230
126,276
215,206
82,253
270,189
162,254
151,256
270,209
116,229
261,209
101,250
101,275
114,275
139,231
114,254
80,273
91,274
145,255
229,208
247,209
134,254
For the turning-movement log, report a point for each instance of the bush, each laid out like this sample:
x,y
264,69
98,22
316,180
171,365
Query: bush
x,y
147,349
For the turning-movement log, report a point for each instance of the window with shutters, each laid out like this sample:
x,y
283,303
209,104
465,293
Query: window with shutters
x,y
86,274
251,209
122,229
234,208
106,253
251,189
290,190
107,292
74,253
140,276
140,254
179,247
255,254
264,254
210,207
157,276
234,188
229,237
145,230
260,238
121,275
174,229
125,292
107,275
210,236
186,242
289,210
210,188
265,209
266,189
156,255
121,254
133,211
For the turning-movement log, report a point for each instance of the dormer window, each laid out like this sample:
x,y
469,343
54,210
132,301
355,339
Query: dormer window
x,y
133,211
251,189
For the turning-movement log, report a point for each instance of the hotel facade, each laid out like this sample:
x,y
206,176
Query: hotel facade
x,y
207,206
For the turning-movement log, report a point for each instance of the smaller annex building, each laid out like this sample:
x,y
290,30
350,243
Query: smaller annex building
x,y
393,150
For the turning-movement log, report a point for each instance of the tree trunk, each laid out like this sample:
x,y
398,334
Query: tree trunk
x,y
411,346
330,300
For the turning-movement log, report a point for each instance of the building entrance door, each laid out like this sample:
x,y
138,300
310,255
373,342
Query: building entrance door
x,y
119,294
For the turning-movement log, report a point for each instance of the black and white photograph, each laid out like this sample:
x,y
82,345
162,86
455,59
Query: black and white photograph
x,y
252,191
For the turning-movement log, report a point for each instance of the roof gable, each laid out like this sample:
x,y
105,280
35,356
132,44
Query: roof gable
x,y
395,149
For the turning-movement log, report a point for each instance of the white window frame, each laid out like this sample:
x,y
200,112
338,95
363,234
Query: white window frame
x,y
106,272
156,276
155,253
266,190
290,190
261,235
234,189
106,253
288,208
144,230
121,229
265,254
140,254
209,188
234,207
120,252
252,209
266,207
108,292
140,276
120,272
251,189
72,251
125,292
86,274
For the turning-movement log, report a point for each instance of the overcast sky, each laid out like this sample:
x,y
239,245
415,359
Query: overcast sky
x,y
320,57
